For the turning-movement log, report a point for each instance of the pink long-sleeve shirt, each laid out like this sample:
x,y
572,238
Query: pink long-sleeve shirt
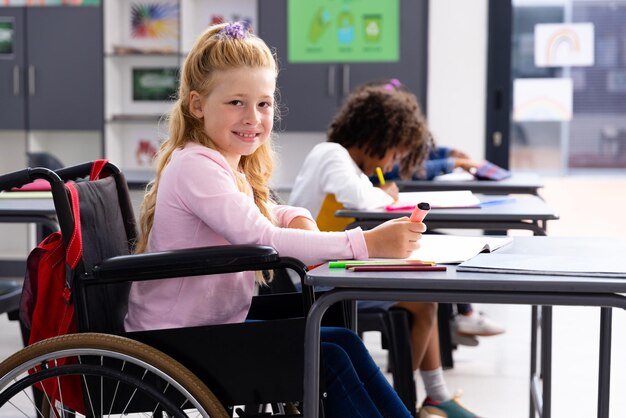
x,y
199,204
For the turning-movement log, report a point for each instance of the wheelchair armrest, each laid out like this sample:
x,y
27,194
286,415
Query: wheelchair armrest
x,y
186,262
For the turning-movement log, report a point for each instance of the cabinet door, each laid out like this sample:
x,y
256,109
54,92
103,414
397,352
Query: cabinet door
x,y
12,94
412,67
312,93
65,68
308,92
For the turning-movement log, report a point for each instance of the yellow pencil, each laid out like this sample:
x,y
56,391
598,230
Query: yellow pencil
x,y
381,178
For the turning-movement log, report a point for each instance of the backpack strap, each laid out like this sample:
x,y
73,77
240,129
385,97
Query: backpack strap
x,y
96,169
75,247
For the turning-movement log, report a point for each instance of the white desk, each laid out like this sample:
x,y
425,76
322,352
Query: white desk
x,y
457,287
518,183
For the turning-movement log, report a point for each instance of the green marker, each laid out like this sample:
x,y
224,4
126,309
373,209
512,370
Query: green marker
x,y
344,263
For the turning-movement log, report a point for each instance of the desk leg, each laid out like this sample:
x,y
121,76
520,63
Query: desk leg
x,y
604,372
546,359
534,323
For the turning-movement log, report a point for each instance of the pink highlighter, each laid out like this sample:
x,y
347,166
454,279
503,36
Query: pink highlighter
x,y
420,212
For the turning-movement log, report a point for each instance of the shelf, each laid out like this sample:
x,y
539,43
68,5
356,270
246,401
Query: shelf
x,y
128,118
130,50
144,48
129,55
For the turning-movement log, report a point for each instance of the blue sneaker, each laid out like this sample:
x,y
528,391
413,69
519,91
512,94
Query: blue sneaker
x,y
448,409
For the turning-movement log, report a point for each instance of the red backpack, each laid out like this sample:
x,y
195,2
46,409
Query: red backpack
x,y
46,306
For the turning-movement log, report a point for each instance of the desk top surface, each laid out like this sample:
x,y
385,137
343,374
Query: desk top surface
x,y
525,207
27,207
529,183
453,280
138,179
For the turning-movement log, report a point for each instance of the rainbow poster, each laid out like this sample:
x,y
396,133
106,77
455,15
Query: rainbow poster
x,y
542,99
564,44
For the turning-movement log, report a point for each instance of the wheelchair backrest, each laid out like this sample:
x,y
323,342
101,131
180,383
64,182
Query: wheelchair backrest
x,y
108,230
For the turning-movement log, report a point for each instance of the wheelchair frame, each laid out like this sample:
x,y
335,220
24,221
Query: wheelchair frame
x,y
219,356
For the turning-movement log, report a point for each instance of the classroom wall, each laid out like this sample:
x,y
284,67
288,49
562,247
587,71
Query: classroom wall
x,y
457,71
456,104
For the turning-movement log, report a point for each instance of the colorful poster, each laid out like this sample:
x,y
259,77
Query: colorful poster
x,y
564,44
154,20
542,99
149,27
7,36
213,12
343,31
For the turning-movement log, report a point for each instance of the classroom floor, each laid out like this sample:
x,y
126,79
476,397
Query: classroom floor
x,y
494,375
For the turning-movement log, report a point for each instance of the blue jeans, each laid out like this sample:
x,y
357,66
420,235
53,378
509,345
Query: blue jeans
x,y
354,383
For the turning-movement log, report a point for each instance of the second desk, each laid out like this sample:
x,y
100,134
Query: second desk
x,y
524,212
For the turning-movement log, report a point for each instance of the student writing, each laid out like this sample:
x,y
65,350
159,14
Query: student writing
x,y
468,323
377,126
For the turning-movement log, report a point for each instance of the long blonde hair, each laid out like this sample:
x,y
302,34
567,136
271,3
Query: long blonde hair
x,y
217,49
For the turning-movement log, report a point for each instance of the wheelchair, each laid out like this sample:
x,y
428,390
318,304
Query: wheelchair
x,y
205,371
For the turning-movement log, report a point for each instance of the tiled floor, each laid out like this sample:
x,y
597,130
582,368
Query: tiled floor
x,y
494,375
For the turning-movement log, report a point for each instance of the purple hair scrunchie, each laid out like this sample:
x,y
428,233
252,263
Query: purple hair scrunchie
x,y
235,30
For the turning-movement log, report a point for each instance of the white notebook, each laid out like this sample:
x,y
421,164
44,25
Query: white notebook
x,y
441,199
452,249
554,265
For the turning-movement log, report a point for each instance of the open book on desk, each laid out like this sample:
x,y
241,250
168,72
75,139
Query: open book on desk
x,y
453,249
553,265
437,200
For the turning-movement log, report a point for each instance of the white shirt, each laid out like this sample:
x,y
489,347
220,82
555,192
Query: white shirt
x,y
329,169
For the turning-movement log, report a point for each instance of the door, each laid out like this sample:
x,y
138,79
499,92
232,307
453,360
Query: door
x,y
308,92
12,68
65,68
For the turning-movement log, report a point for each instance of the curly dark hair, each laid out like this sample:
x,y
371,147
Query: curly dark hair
x,y
376,119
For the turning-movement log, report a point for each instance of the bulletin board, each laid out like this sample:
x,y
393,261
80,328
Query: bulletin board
x,y
343,31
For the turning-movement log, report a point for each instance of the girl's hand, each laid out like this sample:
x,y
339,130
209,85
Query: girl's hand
x,y
396,238
455,153
391,188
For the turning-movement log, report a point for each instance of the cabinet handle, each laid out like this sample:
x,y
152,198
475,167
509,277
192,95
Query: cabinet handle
x,y
346,79
31,80
331,80
497,138
16,80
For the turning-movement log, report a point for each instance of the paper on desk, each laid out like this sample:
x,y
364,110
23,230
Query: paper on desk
x,y
25,195
452,249
440,199
457,175
559,265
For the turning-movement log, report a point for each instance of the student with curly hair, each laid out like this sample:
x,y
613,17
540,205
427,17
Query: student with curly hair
x,y
377,126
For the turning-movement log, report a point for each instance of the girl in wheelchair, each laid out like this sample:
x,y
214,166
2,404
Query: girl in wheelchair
x,y
211,189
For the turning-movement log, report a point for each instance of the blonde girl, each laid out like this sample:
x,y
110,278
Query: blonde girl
x,y
211,189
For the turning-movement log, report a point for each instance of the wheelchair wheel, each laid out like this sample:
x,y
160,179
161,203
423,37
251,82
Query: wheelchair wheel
x,y
115,376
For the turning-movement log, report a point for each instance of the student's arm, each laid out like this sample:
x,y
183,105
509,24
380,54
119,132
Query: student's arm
x,y
303,223
455,153
293,217
391,188
351,187
226,212
437,167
